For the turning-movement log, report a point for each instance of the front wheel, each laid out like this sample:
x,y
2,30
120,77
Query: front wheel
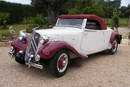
x,y
113,50
59,64
19,59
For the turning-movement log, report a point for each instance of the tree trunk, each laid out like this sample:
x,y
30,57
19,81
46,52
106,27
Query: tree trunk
x,y
51,15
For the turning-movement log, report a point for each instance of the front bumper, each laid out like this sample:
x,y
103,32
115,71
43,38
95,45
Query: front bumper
x,y
39,66
29,63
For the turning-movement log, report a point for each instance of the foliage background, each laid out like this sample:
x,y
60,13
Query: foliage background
x,y
17,11
43,13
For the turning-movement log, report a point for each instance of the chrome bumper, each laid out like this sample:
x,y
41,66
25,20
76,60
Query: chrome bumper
x,y
34,65
11,53
29,63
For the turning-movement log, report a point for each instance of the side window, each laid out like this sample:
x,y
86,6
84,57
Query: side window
x,y
93,25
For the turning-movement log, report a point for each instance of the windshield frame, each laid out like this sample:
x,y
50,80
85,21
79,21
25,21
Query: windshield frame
x,y
69,25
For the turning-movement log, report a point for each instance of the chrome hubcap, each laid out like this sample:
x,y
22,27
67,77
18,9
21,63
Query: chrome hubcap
x,y
62,62
114,45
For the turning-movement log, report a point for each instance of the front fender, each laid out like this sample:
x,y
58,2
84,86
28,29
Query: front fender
x,y
50,49
18,45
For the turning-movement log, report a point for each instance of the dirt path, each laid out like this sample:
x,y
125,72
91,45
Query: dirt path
x,y
99,70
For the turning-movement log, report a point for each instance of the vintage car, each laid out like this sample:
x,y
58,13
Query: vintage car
x,y
73,36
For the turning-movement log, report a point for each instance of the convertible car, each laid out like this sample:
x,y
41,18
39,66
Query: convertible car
x,y
73,36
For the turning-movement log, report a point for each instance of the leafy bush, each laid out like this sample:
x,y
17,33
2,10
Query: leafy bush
x,y
32,22
115,19
39,20
29,28
5,35
4,17
17,11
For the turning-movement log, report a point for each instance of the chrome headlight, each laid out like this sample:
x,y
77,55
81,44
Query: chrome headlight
x,y
22,36
37,58
44,39
11,48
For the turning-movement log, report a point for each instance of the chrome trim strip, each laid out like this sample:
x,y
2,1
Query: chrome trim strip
x,y
34,42
33,46
27,50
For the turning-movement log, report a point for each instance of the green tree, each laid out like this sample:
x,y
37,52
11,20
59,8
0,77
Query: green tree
x,y
4,17
109,6
17,11
51,8
87,7
39,20
115,19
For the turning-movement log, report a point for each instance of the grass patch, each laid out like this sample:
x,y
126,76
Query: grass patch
x,y
4,44
16,27
123,22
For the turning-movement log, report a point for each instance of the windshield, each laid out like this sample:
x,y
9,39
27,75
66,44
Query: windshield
x,y
69,23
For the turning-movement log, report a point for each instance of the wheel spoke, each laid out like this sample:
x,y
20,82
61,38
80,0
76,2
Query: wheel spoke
x,y
114,46
62,62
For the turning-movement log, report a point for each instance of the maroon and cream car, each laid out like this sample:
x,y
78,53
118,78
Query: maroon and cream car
x,y
73,36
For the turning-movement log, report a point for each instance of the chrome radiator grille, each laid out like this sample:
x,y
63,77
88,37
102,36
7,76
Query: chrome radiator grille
x,y
32,46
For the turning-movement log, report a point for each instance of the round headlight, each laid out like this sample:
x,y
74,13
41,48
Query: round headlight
x,y
37,58
20,38
11,48
21,52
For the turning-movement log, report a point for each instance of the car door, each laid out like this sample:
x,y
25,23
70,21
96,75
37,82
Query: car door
x,y
93,39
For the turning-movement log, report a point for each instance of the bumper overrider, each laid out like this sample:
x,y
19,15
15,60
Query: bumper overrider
x,y
31,60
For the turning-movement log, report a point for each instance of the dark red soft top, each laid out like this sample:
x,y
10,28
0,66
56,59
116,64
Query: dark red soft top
x,y
90,17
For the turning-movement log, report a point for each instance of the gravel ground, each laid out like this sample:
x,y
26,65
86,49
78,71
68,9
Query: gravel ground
x,y
99,70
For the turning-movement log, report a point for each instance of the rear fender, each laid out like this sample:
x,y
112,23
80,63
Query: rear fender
x,y
50,49
115,36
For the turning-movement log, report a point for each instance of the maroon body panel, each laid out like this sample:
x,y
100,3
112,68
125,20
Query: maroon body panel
x,y
18,45
90,17
51,48
114,36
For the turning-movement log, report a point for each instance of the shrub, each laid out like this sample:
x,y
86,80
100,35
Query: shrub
x,y
38,21
29,24
32,22
4,17
115,19
17,11
5,35
29,28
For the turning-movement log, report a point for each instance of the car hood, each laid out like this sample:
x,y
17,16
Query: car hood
x,y
59,33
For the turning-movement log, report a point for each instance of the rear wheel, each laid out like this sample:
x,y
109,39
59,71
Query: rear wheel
x,y
59,64
113,50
